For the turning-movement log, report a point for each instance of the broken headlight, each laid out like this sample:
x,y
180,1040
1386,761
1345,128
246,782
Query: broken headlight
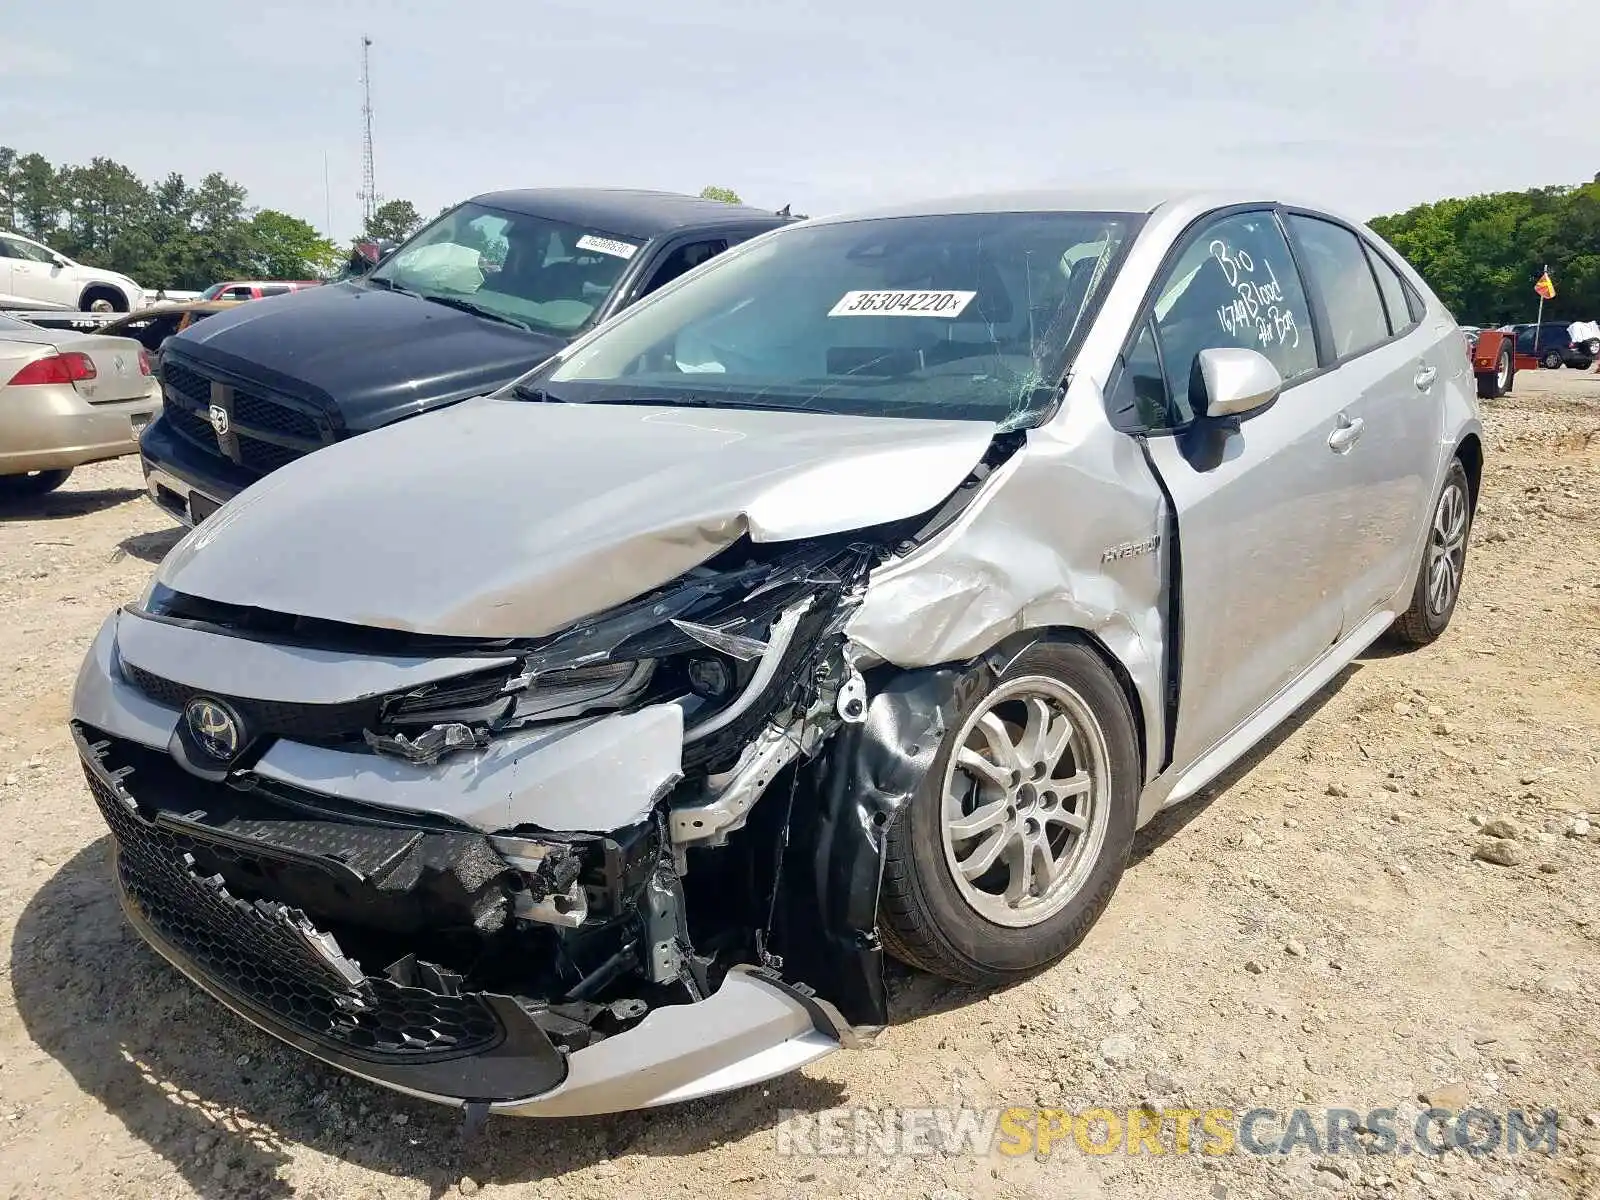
x,y
465,712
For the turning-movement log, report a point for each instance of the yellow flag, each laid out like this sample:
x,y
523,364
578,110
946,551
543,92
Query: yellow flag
x,y
1545,288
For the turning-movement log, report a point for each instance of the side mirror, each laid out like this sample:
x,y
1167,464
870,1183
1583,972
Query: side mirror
x,y
1237,382
60,260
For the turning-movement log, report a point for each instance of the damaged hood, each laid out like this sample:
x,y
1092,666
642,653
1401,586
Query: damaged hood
x,y
502,518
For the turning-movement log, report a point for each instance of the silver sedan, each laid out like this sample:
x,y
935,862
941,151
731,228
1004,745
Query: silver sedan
x,y
586,746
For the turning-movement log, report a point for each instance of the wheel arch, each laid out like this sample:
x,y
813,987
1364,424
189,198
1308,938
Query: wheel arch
x,y
85,297
1014,644
1470,451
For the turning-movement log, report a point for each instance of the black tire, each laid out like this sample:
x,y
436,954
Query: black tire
x,y
1425,620
1494,384
1551,359
108,300
925,920
35,483
1592,348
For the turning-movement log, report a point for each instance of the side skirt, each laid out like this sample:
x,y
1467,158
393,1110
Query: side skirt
x,y
1177,786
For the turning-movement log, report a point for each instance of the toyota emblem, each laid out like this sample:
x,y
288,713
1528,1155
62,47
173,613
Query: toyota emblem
x,y
214,727
219,419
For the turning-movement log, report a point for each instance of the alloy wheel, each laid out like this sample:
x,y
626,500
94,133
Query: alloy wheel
x,y
1447,548
1026,801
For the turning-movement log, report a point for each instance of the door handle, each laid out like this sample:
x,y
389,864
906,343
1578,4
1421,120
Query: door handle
x,y
1426,374
1347,434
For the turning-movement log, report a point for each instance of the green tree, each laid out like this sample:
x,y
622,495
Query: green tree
x,y
727,195
288,248
36,197
1482,254
397,219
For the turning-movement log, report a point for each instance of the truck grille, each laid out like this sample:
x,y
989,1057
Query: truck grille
x,y
195,428
265,432
267,954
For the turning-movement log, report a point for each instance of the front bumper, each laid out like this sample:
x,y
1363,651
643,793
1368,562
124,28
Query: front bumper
x,y
52,428
267,964
182,479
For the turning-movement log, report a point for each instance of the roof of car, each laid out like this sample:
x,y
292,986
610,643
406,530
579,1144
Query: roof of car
x,y
1192,201
628,211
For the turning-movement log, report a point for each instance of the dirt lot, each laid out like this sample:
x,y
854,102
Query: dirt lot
x,y
1313,932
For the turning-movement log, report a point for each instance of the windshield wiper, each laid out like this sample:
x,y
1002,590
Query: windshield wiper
x,y
702,401
478,310
535,393
389,285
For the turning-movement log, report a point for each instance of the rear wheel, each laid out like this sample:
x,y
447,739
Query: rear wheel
x,y
34,483
1444,562
1009,852
103,300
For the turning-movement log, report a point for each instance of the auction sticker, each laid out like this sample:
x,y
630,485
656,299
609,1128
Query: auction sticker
x,y
901,304
605,245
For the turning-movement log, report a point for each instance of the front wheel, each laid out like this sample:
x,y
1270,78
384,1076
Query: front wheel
x,y
1552,360
34,483
1011,849
1444,562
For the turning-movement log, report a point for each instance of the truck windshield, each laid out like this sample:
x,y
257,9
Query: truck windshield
x,y
542,274
969,316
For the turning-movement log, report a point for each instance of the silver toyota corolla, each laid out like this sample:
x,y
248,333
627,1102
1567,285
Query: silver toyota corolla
x,y
585,746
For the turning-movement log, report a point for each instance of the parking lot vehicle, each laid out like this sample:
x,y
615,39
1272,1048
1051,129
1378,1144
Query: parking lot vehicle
x,y
34,276
258,289
1551,345
471,301
584,746
66,399
151,327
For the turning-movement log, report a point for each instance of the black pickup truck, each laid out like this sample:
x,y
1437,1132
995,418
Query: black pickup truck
x,y
478,297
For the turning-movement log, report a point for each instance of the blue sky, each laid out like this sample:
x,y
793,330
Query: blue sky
x,y
1365,105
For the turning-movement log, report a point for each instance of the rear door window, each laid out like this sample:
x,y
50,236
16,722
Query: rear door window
x,y
1394,293
1338,269
1235,286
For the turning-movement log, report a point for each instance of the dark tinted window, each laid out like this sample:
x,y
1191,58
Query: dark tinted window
x,y
1338,270
1235,286
1139,401
1394,293
685,258
275,291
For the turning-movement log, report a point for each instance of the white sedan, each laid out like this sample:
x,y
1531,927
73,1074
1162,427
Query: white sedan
x,y
67,399
34,276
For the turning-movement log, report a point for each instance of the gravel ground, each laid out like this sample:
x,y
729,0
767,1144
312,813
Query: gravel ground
x,y
1314,931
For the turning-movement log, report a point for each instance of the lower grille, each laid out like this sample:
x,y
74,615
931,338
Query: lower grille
x,y
268,955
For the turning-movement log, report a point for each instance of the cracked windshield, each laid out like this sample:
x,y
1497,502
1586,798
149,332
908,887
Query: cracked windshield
x,y
540,274
964,317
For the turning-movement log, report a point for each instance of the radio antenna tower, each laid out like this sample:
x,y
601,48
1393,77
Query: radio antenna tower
x,y
369,191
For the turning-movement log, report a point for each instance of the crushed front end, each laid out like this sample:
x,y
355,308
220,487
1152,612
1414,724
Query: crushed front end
x,y
525,876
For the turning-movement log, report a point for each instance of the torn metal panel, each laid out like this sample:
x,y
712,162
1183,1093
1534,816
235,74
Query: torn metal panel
x,y
276,671
1045,544
590,775
532,516
866,775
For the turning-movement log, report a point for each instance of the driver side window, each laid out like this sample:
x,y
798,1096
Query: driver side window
x,y
1235,285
